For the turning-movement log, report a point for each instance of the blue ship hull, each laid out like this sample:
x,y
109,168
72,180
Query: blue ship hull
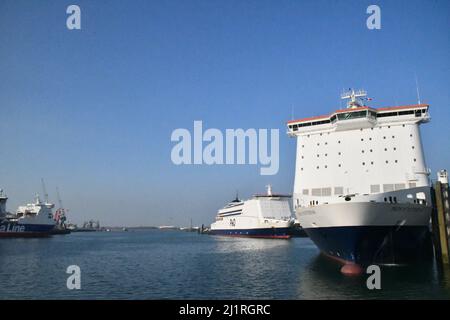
x,y
275,233
366,245
10,229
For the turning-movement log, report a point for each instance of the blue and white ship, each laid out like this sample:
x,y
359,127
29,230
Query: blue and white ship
x,y
263,216
361,190
31,220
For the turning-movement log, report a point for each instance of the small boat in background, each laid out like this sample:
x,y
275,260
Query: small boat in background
x,y
88,226
168,228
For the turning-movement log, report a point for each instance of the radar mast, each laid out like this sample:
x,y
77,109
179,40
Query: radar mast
x,y
354,97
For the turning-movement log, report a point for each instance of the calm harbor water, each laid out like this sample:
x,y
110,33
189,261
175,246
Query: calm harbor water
x,y
157,264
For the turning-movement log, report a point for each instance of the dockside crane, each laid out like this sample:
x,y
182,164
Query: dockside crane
x,y
60,214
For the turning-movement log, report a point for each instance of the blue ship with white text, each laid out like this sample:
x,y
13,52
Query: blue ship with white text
x,y
31,220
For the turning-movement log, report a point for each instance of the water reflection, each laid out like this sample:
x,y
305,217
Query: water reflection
x,y
178,265
443,273
241,244
245,268
321,279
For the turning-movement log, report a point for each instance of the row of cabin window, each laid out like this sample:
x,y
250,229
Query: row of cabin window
x,y
380,127
389,199
374,188
362,151
362,139
360,114
363,163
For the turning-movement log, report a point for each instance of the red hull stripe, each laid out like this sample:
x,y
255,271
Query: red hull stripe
x,y
309,119
339,260
254,236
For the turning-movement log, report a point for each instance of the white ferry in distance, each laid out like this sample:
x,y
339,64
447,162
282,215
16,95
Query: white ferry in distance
x,y
32,220
361,189
263,216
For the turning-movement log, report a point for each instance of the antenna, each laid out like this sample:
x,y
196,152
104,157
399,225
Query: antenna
x,y
44,190
417,89
292,112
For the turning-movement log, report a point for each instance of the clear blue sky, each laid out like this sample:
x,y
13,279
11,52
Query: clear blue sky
x,y
92,111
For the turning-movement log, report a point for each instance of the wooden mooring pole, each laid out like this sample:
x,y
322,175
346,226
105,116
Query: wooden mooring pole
x,y
439,219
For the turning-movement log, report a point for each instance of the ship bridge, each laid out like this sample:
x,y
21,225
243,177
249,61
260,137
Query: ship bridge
x,y
359,117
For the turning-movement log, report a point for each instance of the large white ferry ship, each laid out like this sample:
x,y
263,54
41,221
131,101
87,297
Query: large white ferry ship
x,y
361,190
31,220
263,216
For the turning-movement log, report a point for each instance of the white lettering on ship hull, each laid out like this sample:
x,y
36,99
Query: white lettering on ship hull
x,y
12,228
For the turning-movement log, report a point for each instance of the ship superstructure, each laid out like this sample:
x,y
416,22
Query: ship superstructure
x,y
263,216
361,188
